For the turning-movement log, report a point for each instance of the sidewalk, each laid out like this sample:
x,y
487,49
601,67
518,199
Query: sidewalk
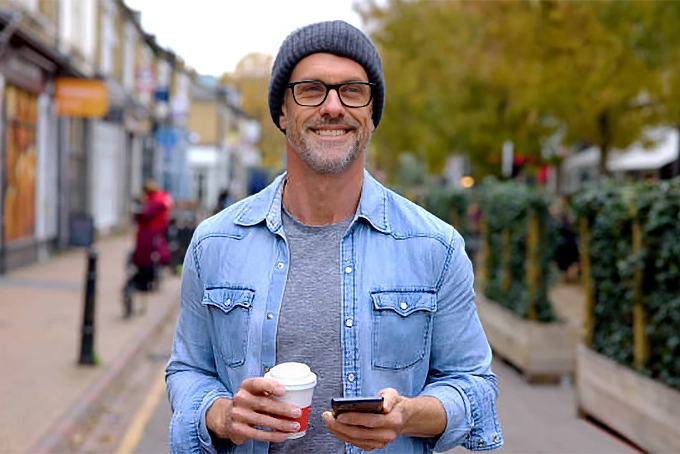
x,y
543,418
45,396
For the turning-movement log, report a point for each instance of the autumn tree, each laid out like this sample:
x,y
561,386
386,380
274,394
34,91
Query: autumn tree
x,y
251,78
465,76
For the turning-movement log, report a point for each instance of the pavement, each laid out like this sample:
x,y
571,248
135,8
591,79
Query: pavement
x,y
46,397
48,400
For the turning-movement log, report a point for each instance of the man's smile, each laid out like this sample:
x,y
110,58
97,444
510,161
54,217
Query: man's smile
x,y
330,132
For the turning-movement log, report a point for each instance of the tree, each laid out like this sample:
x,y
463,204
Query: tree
x,y
251,78
465,76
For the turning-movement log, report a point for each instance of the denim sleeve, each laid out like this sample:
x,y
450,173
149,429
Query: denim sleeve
x,y
460,373
191,376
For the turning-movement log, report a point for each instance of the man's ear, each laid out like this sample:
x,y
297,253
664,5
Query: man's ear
x,y
282,117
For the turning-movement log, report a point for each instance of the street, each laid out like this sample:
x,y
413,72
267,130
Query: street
x,y
535,419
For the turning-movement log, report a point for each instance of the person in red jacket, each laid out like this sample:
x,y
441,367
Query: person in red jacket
x,y
151,245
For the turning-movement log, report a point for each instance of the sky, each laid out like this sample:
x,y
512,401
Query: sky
x,y
211,36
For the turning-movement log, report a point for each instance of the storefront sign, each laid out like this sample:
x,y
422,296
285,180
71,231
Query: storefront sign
x,y
81,97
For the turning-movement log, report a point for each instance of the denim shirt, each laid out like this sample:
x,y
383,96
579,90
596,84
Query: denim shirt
x,y
408,311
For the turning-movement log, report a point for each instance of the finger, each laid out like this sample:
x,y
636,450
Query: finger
x,y
357,434
361,419
263,386
366,445
261,404
264,420
244,432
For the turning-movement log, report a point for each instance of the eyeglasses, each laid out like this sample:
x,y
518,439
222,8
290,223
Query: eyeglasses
x,y
313,93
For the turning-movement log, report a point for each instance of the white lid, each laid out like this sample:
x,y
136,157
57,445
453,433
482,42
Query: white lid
x,y
292,374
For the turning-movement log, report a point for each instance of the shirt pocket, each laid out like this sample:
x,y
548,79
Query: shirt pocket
x,y
230,313
402,323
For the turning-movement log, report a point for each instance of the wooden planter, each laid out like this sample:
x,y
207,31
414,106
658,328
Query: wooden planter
x,y
541,351
640,409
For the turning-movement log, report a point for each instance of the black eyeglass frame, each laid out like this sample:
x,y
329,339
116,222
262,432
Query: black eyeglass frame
x,y
330,87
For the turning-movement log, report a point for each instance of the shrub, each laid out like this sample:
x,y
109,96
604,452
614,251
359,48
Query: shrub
x,y
610,210
507,207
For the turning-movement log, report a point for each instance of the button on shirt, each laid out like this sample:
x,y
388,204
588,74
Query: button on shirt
x,y
407,324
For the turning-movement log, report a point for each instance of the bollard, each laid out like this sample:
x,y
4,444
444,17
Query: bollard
x,y
87,355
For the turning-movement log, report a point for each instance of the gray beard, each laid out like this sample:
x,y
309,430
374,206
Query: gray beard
x,y
317,160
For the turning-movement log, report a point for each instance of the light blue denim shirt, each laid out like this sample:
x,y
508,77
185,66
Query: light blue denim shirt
x,y
408,311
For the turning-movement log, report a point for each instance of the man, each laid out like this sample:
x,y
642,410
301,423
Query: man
x,y
326,266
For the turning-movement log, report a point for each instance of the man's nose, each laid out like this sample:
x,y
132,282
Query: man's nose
x,y
332,105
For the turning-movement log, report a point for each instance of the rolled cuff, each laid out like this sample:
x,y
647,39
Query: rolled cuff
x,y
471,415
459,421
188,430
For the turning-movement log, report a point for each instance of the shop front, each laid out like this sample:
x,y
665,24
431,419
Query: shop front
x,y
23,81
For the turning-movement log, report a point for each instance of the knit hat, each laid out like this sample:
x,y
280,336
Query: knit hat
x,y
334,37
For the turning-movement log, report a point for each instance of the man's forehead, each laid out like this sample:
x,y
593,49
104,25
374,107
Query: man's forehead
x,y
325,66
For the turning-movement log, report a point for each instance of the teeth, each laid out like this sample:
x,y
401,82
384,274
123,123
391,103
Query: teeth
x,y
330,132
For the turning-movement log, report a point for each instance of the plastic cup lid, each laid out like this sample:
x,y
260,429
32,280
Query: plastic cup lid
x,y
292,374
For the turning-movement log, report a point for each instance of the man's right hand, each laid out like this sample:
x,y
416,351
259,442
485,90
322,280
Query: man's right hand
x,y
251,411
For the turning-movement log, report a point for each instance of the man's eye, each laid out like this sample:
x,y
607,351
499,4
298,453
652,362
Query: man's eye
x,y
313,88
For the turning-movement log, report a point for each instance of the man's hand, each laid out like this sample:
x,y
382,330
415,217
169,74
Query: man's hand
x,y
250,411
418,417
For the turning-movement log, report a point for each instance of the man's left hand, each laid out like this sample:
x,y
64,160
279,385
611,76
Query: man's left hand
x,y
369,431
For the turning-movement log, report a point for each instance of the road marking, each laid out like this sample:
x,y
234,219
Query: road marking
x,y
139,422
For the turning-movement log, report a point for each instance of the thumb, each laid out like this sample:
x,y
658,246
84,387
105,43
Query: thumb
x,y
392,398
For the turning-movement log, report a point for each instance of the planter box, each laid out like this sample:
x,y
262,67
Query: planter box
x,y
541,351
642,410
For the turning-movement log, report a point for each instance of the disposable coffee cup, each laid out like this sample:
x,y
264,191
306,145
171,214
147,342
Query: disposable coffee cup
x,y
299,382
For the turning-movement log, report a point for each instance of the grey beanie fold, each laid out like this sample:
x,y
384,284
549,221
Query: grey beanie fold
x,y
334,37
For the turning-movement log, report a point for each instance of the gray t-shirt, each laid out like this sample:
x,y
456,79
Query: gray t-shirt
x,y
309,324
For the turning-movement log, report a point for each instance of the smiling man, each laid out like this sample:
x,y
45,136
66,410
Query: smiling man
x,y
328,267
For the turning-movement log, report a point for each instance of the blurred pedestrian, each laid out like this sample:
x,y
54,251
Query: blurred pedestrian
x,y
566,250
151,245
328,267
224,200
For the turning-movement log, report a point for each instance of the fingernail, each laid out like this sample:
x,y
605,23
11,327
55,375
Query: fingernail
x,y
293,427
326,416
296,413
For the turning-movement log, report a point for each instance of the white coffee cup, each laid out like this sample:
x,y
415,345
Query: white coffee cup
x,y
299,382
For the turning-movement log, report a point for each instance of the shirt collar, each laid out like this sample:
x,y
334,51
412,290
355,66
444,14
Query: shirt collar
x,y
266,206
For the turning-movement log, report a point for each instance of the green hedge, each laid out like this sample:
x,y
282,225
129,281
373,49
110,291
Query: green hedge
x,y
448,204
610,209
508,205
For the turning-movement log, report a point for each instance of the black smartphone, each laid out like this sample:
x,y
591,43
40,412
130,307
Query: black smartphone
x,y
373,404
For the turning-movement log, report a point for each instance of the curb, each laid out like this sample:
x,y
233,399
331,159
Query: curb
x,y
61,436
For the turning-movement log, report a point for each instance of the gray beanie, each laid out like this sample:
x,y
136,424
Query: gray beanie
x,y
334,37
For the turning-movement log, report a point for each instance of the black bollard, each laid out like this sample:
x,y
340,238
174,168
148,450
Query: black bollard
x,y
87,355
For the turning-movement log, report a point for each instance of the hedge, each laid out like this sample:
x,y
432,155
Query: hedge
x,y
630,236
448,204
520,237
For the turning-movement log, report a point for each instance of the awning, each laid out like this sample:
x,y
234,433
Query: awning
x,y
636,157
20,37
663,151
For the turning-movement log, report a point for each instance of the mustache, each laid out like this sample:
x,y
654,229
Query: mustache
x,y
311,124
